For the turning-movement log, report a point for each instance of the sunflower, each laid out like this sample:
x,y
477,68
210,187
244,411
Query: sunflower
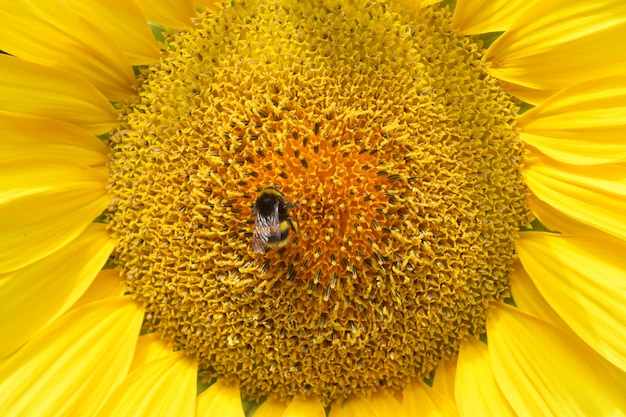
x,y
446,235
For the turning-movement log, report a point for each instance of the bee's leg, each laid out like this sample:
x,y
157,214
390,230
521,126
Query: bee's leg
x,y
293,225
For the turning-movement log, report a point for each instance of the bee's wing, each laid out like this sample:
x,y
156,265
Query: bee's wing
x,y
264,228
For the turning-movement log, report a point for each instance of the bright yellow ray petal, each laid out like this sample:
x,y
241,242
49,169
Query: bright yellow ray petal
x,y
126,26
584,280
304,407
386,405
473,17
35,89
559,43
27,136
584,124
554,221
351,407
418,399
107,284
150,347
44,205
74,364
169,13
213,5
529,95
543,371
445,376
593,195
37,294
164,387
220,399
416,4
50,33
477,393
271,407
528,298
551,218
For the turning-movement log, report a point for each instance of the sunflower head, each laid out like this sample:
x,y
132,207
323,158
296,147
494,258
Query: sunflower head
x,y
315,204
402,157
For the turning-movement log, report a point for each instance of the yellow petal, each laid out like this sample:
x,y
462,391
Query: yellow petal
x,y
381,404
271,407
304,407
107,284
445,376
39,90
212,5
529,95
477,393
44,205
411,5
418,399
584,124
169,13
37,294
386,405
351,407
559,43
593,195
473,17
551,218
219,400
51,33
543,371
528,298
25,136
74,364
425,3
126,26
164,387
583,278
150,347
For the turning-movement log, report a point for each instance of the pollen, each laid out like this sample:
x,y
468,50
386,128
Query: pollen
x,y
401,157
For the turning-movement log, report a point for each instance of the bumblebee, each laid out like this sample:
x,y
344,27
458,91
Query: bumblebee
x,y
272,221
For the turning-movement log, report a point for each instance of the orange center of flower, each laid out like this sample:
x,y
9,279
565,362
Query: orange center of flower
x,y
401,156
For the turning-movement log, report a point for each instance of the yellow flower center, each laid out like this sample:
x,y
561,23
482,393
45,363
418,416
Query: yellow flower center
x,y
401,154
